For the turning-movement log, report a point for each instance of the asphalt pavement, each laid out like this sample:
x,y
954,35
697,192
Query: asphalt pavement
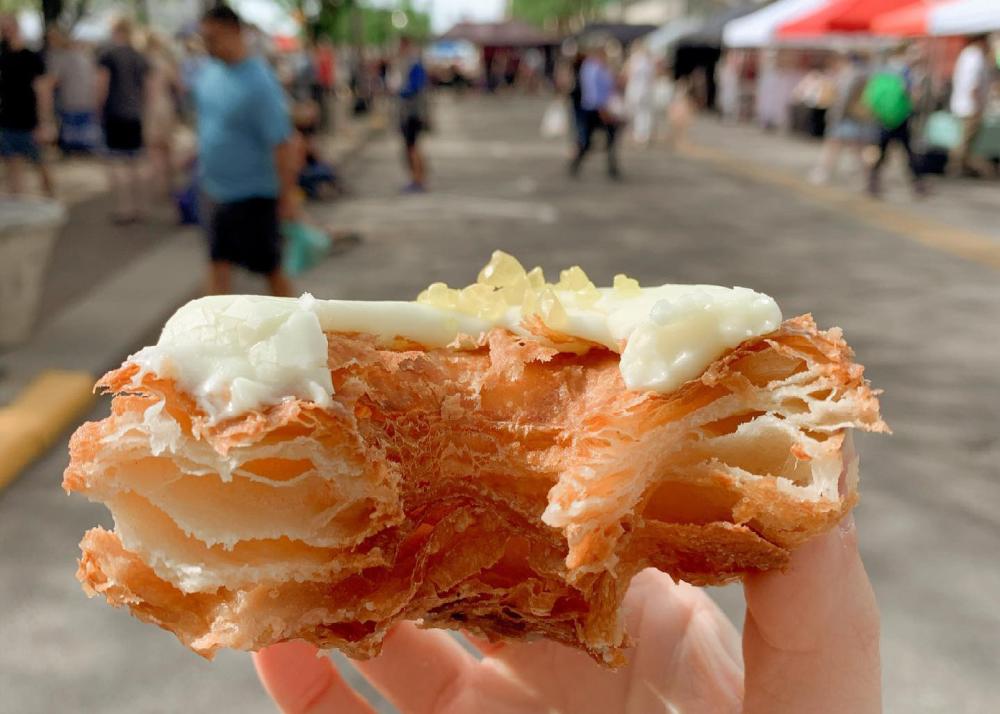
x,y
922,318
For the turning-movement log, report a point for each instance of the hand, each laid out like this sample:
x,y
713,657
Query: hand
x,y
810,644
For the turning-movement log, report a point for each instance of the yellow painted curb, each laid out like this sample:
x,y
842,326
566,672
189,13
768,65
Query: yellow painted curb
x,y
42,411
935,234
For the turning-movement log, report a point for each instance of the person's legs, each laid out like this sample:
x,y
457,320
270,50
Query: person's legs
x,y
45,177
13,166
411,128
590,121
903,136
958,160
161,166
884,138
136,185
611,131
279,284
118,180
829,160
17,147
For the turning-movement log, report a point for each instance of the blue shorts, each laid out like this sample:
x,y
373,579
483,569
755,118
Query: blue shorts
x,y
19,143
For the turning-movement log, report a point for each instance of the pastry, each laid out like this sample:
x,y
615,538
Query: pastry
x,y
501,458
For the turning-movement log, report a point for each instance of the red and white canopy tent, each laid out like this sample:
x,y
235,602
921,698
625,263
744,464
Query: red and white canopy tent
x,y
839,16
940,18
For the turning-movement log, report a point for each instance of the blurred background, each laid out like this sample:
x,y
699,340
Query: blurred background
x,y
737,143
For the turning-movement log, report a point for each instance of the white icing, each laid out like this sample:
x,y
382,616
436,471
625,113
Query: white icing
x,y
235,354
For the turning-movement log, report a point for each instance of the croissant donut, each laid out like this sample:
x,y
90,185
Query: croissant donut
x,y
501,459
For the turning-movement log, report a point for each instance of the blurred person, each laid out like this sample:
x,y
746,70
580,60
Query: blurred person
x,y
597,95
192,62
727,77
680,113
817,92
162,89
888,97
810,643
970,83
247,156
122,87
325,63
73,71
25,108
849,122
575,94
663,96
530,69
640,73
413,111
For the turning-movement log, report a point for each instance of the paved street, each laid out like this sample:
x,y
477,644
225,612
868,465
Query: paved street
x,y
923,319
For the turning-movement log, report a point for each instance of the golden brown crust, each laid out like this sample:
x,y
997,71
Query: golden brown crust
x,y
510,490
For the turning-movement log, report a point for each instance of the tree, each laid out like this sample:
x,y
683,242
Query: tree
x,y
560,14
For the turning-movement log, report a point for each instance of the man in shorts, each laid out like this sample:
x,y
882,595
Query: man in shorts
x,y
413,112
24,89
246,156
122,76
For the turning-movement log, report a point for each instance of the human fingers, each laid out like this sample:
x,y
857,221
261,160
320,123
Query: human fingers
x,y
685,656
686,651
418,670
301,682
811,638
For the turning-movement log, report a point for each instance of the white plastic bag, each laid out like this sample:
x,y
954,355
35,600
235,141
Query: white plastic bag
x,y
555,122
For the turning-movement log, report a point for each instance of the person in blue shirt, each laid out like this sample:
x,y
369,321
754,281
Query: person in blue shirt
x,y
246,157
597,90
413,111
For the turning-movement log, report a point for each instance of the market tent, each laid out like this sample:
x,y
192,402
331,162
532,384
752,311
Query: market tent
x,y
623,33
759,29
908,21
840,16
667,36
710,32
953,17
965,17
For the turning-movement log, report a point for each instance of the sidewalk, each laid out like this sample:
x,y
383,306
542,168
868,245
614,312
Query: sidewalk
x,y
107,292
964,209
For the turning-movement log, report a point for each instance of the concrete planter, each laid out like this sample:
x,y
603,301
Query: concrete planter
x,y
28,230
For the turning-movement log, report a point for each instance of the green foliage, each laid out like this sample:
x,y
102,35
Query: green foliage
x,y
555,12
17,5
351,22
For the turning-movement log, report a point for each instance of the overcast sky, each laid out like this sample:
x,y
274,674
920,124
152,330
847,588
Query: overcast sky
x,y
445,13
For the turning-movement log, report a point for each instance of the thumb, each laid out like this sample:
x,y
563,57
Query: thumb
x,y
811,638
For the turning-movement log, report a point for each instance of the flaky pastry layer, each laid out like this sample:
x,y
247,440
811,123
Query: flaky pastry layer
x,y
511,490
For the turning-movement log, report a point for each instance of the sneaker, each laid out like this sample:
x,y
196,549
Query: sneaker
x,y
414,187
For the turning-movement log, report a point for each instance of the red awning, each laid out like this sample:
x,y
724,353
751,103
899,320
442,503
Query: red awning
x,y
841,16
908,21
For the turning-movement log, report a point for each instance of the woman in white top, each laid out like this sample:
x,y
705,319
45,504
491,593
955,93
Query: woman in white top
x,y
640,77
970,84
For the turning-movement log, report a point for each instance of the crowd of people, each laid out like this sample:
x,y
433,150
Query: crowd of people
x,y
639,94
257,118
880,101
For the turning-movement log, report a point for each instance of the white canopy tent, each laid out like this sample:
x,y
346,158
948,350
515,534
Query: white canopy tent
x,y
759,29
964,17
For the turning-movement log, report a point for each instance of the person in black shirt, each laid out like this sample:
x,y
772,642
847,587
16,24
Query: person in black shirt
x,y
123,75
22,85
